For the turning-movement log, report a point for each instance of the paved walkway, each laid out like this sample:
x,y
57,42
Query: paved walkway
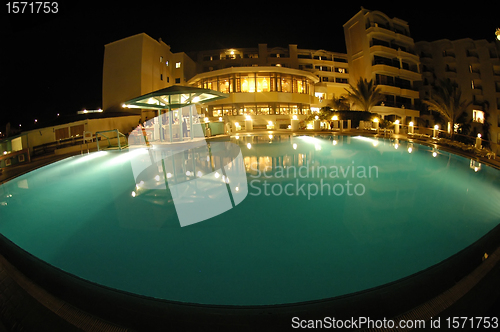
x,y
13,171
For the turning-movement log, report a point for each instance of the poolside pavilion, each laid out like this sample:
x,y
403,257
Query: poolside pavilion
x,y
181,121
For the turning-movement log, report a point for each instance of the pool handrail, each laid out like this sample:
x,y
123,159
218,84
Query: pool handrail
x,y
118,136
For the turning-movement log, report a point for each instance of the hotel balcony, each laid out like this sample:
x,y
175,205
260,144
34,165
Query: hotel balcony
x,y
400,51
394,110
375,29
400,68
398,91
386,69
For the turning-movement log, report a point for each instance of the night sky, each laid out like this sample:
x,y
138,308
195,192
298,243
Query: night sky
x,y
52,63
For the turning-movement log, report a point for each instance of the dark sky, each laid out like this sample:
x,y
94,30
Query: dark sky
x,y
52,63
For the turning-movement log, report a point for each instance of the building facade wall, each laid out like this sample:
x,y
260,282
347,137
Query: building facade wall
x,y
122,71
265,93
330,68
380,49
475,66
138,65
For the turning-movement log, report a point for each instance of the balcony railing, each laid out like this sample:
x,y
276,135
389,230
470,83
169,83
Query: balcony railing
x,y
399,104
394,63
378,42
401,86
387,27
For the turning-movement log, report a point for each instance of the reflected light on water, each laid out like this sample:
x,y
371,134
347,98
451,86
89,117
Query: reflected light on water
x,y
90,156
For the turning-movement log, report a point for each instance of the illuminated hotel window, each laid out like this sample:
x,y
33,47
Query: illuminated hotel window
x,y
228,110
257,82
284,109
249,110
263,83
225,85
299,85
211,84
263,110
320,96
286,84
247,83
178,65
217,111
478,116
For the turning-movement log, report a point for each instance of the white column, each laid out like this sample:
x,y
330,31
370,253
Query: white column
x,y
248,123
191,131
295,123
170,126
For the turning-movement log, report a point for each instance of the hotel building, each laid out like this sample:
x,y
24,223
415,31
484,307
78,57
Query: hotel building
x,y
381,49
475,66
273,84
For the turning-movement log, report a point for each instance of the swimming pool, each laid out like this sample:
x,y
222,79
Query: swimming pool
x,y
321,217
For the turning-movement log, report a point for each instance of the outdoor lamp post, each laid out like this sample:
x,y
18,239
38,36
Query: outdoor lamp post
x,y
396,127
410,128
478,141
435,131
376,124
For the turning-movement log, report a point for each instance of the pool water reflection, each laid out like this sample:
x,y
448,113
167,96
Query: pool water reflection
x,y
323,216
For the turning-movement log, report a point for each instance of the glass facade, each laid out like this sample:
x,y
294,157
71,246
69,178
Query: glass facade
x,y
258,109
257,82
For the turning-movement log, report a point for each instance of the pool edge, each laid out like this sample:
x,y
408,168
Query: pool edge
x,y
94,302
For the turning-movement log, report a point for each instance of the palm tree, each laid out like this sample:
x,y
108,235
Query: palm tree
x,y
341,104
446,99
365,95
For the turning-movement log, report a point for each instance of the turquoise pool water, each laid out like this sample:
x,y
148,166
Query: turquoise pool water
x,y
323,217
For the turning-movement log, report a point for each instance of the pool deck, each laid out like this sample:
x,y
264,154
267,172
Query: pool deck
x,y
476,293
